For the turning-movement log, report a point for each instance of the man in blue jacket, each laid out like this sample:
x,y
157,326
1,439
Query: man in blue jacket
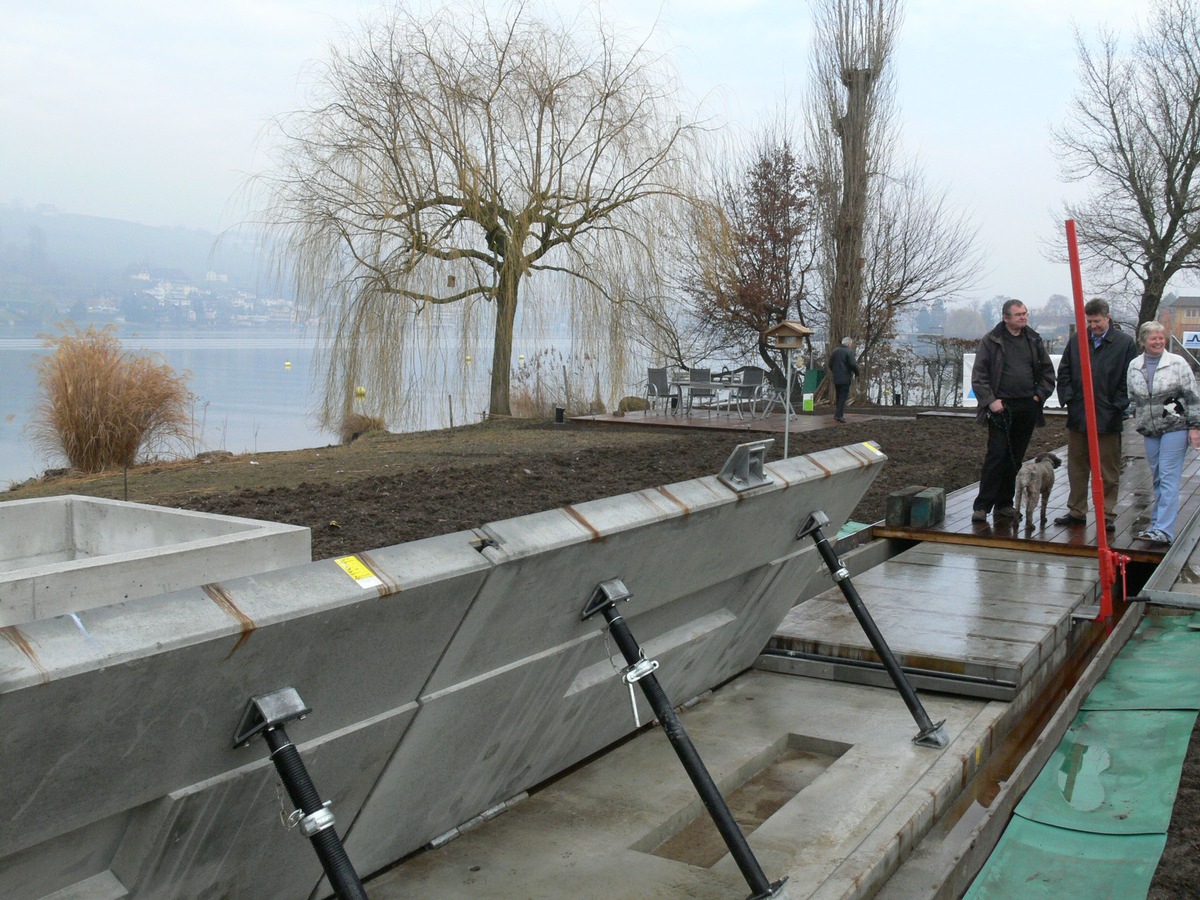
x,y
1111,353
1012,378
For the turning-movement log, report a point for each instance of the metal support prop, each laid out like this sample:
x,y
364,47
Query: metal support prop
x,y
266,714
641,671
930,735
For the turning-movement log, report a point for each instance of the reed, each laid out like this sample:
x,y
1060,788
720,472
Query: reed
x,y
103,407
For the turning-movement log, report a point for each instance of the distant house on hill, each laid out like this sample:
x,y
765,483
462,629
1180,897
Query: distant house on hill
x,y
1179,315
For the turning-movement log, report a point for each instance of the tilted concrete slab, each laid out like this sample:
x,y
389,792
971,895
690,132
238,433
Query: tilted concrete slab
x,y
136,703
60,555
528,689
456,674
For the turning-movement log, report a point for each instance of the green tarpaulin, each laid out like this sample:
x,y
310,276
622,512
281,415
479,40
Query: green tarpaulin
x,y
1034,860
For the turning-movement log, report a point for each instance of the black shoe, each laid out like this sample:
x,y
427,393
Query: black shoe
x,y
839,419
979,515
1005,513
1110,525
1069,519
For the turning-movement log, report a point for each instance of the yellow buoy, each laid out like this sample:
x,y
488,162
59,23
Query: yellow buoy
x,y
360,392
287,364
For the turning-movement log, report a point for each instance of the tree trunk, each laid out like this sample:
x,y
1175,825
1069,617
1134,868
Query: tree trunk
x,y
506,315
852,129
1153,286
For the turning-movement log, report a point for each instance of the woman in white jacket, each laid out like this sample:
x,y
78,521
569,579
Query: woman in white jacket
x,y
1166,407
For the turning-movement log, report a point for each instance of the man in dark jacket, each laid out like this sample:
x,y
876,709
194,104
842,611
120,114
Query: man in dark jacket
x,y
842,367
1012,378
1111,353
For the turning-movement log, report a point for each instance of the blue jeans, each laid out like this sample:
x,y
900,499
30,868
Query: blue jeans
x,y
1165,455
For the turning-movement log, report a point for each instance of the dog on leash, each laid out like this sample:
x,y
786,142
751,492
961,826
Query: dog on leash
x,y
1035,478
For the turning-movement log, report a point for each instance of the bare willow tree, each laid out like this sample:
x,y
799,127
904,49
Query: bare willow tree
x,y
445,160
1133,136
751,249
887,239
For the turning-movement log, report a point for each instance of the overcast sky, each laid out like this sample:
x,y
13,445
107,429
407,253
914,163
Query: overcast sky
x,y
153,111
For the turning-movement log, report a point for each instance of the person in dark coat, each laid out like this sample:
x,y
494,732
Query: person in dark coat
x,y
1012,378
1111,353
842,367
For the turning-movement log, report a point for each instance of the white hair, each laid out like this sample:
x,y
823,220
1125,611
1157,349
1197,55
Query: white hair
x,y
847,341
1149,328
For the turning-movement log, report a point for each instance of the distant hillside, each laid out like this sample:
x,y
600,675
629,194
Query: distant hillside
x,y
48,256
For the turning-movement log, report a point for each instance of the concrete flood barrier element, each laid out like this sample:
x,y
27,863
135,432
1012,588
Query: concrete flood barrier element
x,y
445,676
61,555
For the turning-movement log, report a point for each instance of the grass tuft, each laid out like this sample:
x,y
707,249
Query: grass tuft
x,y
355,425
105,408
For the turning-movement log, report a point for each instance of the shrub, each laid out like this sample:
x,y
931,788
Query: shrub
x,y
104,408
355,425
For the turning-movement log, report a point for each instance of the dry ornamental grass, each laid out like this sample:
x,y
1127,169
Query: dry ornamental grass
x,y
105,408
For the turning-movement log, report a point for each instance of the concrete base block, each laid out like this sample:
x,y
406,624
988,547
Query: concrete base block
x,y
899,505
928,507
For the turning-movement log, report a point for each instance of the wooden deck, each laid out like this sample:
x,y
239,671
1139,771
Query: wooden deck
x,y
1134,501
975,620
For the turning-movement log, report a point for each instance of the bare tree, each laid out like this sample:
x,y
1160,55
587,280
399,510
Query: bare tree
x,y
917,250
751,250
887,239
1133,135
849,134
446,159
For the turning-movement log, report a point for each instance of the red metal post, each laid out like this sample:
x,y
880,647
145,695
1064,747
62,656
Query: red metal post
x,y
1108,569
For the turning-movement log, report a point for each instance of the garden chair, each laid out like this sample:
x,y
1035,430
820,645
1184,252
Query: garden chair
x,y
774,391
700,376
750,391
658,388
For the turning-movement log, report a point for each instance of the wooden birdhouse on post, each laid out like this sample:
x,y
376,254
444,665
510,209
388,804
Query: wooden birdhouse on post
x,y
787,336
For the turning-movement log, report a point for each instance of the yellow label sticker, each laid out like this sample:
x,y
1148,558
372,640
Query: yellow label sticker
x,y
872,448
358,570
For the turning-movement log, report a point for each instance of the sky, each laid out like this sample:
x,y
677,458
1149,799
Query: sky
x,y
155,112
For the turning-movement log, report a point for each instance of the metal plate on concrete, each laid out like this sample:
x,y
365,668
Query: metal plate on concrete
x,y
979,612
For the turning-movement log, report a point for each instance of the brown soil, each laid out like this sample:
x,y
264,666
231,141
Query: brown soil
x,y
389,488
385,489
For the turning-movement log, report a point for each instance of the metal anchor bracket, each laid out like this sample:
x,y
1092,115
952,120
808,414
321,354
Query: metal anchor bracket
x,y
265,711
639,670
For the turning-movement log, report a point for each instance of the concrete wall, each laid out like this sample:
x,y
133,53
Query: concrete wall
x,y
60,555
463,678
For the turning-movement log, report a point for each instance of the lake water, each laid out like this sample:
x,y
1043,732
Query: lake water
x,y
248,398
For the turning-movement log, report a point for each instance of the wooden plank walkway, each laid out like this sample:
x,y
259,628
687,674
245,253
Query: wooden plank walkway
x,y
1135,498
984,613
